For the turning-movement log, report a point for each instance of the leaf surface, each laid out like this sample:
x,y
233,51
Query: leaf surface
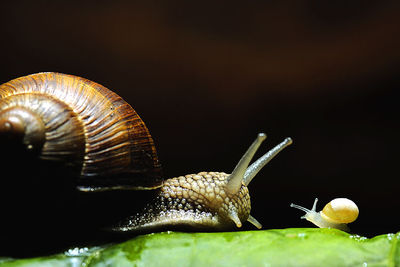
x,y
284,247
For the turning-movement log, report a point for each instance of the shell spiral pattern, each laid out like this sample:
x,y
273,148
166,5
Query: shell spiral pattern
x,y
86,125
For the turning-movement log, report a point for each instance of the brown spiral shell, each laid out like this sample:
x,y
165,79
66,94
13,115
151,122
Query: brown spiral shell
x,y
87,126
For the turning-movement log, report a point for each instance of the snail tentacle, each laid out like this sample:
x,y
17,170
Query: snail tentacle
x,y
254,168
236,177
235,218
254,222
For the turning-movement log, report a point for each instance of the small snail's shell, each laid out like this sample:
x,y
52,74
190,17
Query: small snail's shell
x,y
83,124
340,210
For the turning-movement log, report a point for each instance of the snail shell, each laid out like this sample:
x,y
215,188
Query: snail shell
x,y
340,210
60,133
69,119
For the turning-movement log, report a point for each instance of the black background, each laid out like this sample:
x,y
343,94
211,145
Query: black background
x,y
206,78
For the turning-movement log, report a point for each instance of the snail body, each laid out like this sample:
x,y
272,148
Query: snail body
x,y
336,214
107,147
206,200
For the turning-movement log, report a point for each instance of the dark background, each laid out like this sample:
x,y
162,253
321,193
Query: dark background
x,y
206,78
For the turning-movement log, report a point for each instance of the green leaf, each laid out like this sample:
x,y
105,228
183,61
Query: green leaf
x,y
285,247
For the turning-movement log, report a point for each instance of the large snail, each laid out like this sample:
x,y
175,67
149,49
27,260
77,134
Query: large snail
x,y
102,142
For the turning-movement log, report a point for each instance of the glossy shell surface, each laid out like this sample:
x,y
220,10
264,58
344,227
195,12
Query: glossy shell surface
x,y
89,127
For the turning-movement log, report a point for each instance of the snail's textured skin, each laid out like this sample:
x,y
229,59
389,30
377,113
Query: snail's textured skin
x,y
87,126
196,200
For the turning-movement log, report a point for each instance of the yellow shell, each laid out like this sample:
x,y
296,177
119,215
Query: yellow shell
x,y
340,210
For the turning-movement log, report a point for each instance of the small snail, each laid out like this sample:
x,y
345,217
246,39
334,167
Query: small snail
x,y
336,214
97,135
